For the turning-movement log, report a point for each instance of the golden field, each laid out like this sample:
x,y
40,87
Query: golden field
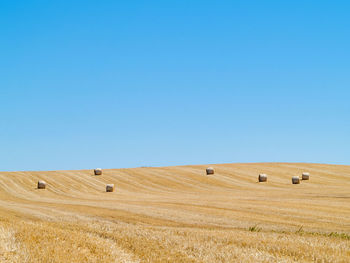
x,y
177,214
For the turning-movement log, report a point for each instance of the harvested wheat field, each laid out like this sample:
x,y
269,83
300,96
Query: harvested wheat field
x,y
177,214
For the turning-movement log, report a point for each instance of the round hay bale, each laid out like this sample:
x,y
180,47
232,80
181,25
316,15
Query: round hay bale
x,y
98,171
41,184
305,176
262,177
295,180
210,170
110,188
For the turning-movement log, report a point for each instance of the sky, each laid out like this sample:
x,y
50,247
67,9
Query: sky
x,y
116,84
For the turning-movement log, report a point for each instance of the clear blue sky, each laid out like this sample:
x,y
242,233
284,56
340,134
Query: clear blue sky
x,y
112,84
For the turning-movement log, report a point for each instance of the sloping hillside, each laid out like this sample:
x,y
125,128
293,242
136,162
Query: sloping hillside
x,y
177,214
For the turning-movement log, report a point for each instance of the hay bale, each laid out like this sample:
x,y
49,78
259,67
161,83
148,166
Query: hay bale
x,y
262,177
98,171
41,184
305,176
295,180
210,170
110,188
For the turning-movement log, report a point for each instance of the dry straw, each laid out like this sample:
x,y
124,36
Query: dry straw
x,y
41,184
110,188
210,170
295,180
305,176
98,171
262,177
